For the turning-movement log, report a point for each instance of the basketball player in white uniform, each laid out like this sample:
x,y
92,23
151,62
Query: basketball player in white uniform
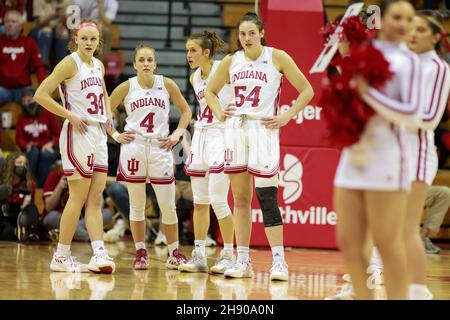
x,y
426,40
206,157
149,157
372,180
82,144
252,135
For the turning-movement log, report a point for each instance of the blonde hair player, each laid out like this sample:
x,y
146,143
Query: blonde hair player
x,y
252,135
426,39
206,158
371,180
82,144
149,157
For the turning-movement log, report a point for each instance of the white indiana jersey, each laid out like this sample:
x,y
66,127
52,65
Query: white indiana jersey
x,y
256,84
148,109
83,93
205,116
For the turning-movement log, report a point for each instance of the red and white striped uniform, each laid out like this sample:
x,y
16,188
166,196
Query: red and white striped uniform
x,y
83,95
436,85
250,146
148,116
380,160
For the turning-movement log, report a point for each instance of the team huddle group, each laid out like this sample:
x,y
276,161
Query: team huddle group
x,y
236,142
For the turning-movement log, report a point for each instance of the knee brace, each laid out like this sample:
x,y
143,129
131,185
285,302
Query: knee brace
x,y
165,194
221,209
268,201
136,192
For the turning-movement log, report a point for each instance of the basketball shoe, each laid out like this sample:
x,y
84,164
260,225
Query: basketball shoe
x,y
141,260
175,259
279,271
102,263
196,264
241,269
225,261
62,263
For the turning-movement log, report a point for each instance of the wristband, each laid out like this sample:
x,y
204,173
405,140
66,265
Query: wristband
x,y
115,135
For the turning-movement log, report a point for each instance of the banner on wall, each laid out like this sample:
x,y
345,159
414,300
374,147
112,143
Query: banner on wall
x,y
305,198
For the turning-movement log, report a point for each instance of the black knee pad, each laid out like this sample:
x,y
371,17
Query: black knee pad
x,y
268,201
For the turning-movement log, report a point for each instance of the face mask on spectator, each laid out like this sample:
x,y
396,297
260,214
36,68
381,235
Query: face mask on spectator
x,y
30,107
21,171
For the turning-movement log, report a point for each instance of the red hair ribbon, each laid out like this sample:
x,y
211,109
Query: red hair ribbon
x,y
87,24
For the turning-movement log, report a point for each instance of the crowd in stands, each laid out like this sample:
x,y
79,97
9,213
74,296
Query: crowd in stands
x,y
37,166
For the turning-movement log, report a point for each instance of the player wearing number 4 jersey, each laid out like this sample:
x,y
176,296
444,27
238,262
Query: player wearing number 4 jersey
x,y
82,143
252,135
148,157
205,163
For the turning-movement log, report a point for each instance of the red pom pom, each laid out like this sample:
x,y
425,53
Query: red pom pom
x,y
343,109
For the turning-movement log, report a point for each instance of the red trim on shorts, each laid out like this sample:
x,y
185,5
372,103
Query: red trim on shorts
x,y
233,170
162,180
425,158
217,169
194,173
72,157
261,174
122,176
419,132
68,173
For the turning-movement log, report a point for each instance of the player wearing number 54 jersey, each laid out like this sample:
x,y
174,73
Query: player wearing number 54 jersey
x,y
82,144
252,135
149,157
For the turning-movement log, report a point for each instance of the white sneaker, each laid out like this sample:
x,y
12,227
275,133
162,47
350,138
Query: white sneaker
x,y
279,271
210,242
102,263
225,261
241,269
67,264
160,239
196,264
347,278
376,274
116,232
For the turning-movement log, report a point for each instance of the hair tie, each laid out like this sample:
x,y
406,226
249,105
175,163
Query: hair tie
x,y
87,24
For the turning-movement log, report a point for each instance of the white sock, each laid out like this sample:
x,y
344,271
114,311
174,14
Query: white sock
x,y
200,247
98,246
417,291
228,247
243,253
63,250
278,254
139,245
173,247
375,259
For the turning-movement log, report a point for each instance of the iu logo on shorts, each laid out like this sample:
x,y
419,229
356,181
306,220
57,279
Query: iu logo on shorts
x,y
90,161
133,166
228,156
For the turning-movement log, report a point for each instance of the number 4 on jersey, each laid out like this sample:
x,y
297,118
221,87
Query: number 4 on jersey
x,y
207,114
147,122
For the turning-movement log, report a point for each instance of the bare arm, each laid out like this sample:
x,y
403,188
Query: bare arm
x,y
286,65
219,79
116,98
66,69
186,114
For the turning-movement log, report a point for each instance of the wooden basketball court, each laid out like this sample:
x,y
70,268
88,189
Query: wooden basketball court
x,y
314,274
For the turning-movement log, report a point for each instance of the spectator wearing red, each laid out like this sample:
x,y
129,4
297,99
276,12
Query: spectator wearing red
x,y
37,134
19,217
19,57
6,5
